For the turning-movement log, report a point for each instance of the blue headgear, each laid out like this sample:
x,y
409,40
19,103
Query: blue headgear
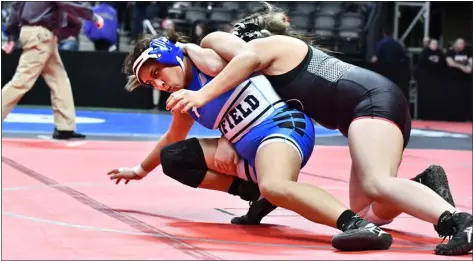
x,y
164,51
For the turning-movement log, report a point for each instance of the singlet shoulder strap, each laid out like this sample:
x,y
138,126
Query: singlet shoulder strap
x,y
286,78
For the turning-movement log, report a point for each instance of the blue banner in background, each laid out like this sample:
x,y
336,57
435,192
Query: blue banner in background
x,y
108,123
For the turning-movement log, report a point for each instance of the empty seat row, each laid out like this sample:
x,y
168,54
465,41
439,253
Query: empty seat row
x,y
346,20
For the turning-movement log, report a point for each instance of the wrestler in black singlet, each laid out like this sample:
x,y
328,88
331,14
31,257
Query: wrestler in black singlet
x,y
334,93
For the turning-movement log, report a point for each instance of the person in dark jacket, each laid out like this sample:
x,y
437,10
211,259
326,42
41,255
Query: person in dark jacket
x,y
35,25
68,37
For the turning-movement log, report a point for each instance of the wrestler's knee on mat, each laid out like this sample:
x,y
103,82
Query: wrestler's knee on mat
x,y
184,162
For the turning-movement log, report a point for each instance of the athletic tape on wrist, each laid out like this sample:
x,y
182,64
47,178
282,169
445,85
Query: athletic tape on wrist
x,y
140,171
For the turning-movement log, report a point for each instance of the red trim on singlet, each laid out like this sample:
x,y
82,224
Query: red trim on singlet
x,y
379,118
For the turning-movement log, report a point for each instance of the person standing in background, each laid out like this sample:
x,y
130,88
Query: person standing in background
x,y
458,59
104,39
390,61
199,31
459,74
137,17
35,25
431,83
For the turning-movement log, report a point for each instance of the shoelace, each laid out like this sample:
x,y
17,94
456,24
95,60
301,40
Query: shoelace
x,y
454,230
448,233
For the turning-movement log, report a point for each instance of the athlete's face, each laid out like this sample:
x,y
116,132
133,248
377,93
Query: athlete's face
x,y
162,77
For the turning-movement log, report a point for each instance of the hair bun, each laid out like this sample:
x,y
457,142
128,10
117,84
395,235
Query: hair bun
x,y
249,31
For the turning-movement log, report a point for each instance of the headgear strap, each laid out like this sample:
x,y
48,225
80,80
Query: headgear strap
x,y
146,54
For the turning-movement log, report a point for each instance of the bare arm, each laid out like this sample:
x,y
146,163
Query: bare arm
x,y
468,68
452,63
180,126
244,59
206,60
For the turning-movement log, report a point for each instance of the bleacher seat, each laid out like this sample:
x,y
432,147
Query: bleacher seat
x,y
195,14
324,21
323,33
285,6
330,8
348,34
351,20
252,6
350,46
176,13
300,21
305,7
221,15
231,5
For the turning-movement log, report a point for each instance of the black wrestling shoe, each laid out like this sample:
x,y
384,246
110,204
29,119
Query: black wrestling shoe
x,y
248,191
459,227
435,178
258,210
67,135
361,235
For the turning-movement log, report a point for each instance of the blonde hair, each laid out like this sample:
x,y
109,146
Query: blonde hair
x,y
275,21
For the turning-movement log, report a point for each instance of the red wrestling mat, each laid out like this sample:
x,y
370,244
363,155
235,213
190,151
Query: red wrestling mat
x,y
460,127
57,203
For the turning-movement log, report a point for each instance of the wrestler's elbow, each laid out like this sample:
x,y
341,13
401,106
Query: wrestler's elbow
x,y
214,68
251,60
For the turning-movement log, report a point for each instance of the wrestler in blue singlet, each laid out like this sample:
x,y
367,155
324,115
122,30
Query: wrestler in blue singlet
x,y
249,115
252,114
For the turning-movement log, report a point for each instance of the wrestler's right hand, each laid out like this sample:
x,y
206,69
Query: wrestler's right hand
x,y
126,174
182,46
226,158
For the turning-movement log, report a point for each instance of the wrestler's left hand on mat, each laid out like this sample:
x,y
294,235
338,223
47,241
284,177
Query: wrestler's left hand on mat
x,y
126,174
184,100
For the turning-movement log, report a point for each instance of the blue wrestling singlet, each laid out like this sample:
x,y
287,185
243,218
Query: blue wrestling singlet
x,y
252,114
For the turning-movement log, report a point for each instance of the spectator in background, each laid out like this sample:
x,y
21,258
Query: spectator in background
x,y
388,50
104,39
431,58
390,61
121,8
459,60
429,74
137,17
68,36
460,82
199,31
153,10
